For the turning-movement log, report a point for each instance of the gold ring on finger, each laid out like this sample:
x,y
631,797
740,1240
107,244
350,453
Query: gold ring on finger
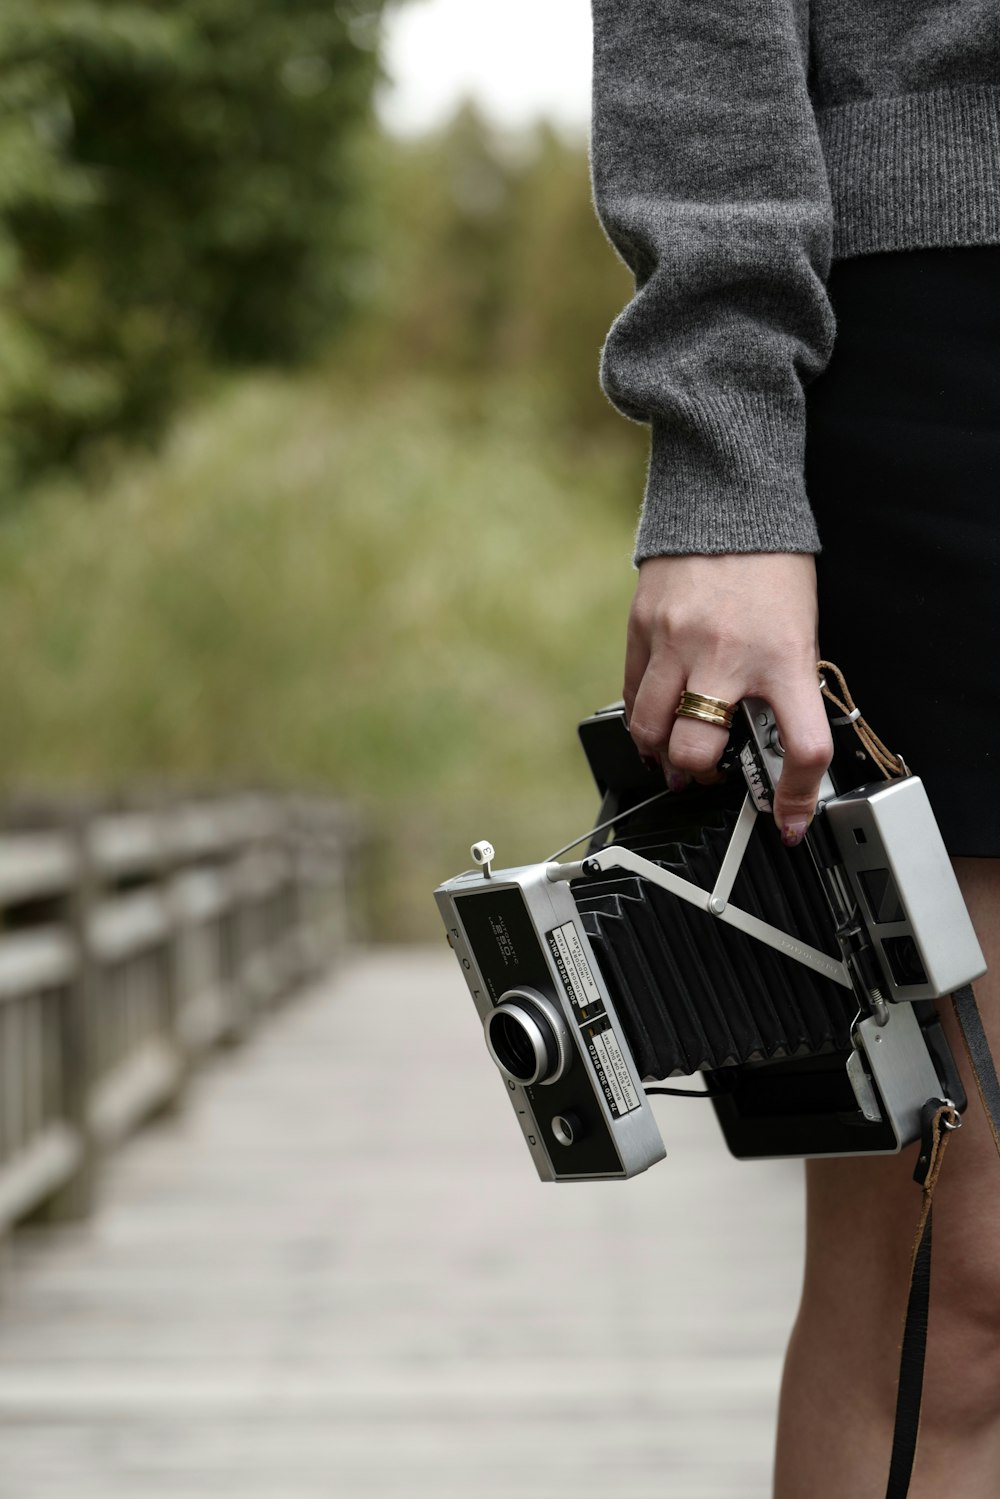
x,y
706,709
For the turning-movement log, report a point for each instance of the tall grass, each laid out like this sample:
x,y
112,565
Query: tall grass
x,y
409,601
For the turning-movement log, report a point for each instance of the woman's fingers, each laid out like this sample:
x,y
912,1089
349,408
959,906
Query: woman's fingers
x,y
697,747
729,626
636,661
805,735
686,747
652,716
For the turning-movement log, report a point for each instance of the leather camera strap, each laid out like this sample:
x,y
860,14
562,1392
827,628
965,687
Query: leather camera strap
x,y
909,1389
938,1122
980,1057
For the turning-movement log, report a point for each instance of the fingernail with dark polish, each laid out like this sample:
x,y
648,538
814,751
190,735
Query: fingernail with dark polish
x,y
677,780
793,832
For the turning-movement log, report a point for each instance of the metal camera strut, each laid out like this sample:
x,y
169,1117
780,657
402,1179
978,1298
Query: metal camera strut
x,y
714,901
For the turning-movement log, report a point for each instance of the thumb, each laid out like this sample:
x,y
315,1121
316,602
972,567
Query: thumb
x,y
805,735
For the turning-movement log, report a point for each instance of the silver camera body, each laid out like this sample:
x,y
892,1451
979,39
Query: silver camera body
x,y
563,991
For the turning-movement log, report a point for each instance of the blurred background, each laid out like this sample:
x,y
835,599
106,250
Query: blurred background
x,y
315,538
305,474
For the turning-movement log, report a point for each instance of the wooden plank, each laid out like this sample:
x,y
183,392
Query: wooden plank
x,y
198,830
142,1083
197,895
125,924
13,1081
45,1163
336,1274
33,1065
124,843
204,1017
34,865
35,959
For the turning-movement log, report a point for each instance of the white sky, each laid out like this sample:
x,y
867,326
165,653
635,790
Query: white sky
x,y
518,58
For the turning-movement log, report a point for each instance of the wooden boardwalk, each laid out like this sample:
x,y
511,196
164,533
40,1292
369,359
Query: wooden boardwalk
x,y
335,1276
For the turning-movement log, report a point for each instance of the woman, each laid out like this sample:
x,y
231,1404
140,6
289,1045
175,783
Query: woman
x,y
809,198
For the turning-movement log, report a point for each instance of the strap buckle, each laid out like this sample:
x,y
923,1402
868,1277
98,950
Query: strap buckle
x,y
938,1116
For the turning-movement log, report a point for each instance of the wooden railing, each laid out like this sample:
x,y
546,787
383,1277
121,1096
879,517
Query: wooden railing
x,y
133,941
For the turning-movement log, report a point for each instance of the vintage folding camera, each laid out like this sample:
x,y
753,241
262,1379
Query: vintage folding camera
x,y
799,982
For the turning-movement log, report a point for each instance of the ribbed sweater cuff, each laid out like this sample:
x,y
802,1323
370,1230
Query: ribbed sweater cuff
x,y
726,474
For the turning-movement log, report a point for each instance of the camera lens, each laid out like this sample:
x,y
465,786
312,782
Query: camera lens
x,y
515,1045
526,1038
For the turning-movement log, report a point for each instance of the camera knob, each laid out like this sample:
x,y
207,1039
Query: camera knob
x,y
568,1128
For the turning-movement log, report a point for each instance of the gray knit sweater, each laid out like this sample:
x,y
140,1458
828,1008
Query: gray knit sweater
x,y
738,147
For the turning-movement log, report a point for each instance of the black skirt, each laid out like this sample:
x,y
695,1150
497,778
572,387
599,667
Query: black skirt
x,y
903,473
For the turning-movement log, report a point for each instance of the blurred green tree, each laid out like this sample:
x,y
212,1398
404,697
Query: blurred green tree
x,y
493,268
179,181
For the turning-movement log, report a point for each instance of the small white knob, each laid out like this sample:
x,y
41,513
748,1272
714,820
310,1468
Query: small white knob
x,y
484,853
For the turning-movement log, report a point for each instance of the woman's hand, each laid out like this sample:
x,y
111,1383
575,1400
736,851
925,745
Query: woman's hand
x,y
732,626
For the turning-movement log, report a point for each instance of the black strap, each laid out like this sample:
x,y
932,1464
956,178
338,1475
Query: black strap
x,y
911,1370
909,1390
910,1385
976,1044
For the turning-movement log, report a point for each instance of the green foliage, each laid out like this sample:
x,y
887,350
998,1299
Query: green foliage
x,y
492,263
179,182
286,594
403,576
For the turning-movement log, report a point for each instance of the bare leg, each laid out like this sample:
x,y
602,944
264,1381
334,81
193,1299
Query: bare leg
x,y
838,1392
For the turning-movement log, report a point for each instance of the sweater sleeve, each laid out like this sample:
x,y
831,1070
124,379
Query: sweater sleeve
x,y
709,180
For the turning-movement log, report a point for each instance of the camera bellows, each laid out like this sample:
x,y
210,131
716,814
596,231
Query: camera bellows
x,y
694,993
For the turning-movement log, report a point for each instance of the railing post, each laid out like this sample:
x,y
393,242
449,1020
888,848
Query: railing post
x,y
78,1012
306,964
171,978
